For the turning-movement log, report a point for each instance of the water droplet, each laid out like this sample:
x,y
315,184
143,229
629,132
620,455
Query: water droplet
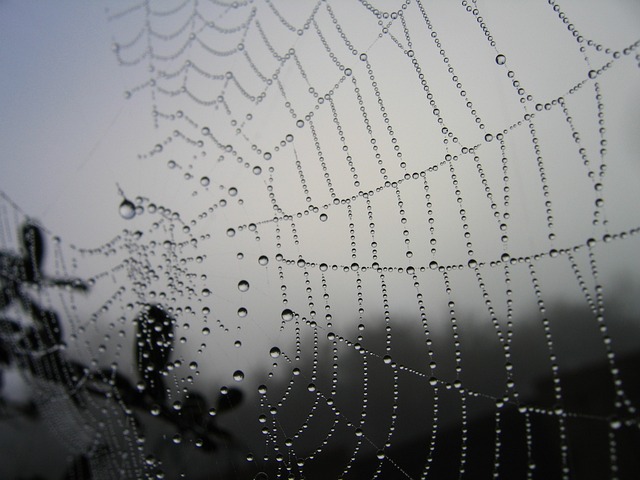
x,y
238,375
472,263
267,155
289,138
501,59
323,217
301,263
274,352
287,314
311,387
204,181
127,209
592,74
242,312
300,123
243,285
177,405
380,455
206,331
324,267
193,365
347,72
433,265
263,260
206,292
257,170
261,476
355,266
230,232
488,137
212,412
233,191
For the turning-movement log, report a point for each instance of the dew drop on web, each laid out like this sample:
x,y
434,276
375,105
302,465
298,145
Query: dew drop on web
x,y
127,209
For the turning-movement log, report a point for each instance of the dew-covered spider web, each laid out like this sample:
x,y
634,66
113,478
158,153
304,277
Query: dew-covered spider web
x,y
376,240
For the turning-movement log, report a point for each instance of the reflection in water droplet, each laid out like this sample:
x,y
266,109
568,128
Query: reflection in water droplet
x,y
127,209
274,352
238,375
287,314
243,285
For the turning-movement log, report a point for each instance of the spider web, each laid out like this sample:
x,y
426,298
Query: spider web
x,y
397,235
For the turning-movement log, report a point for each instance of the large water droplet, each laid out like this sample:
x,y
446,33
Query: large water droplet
x,y
274,352
287,314
127,209
501,59
238,375
243,285
263,260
